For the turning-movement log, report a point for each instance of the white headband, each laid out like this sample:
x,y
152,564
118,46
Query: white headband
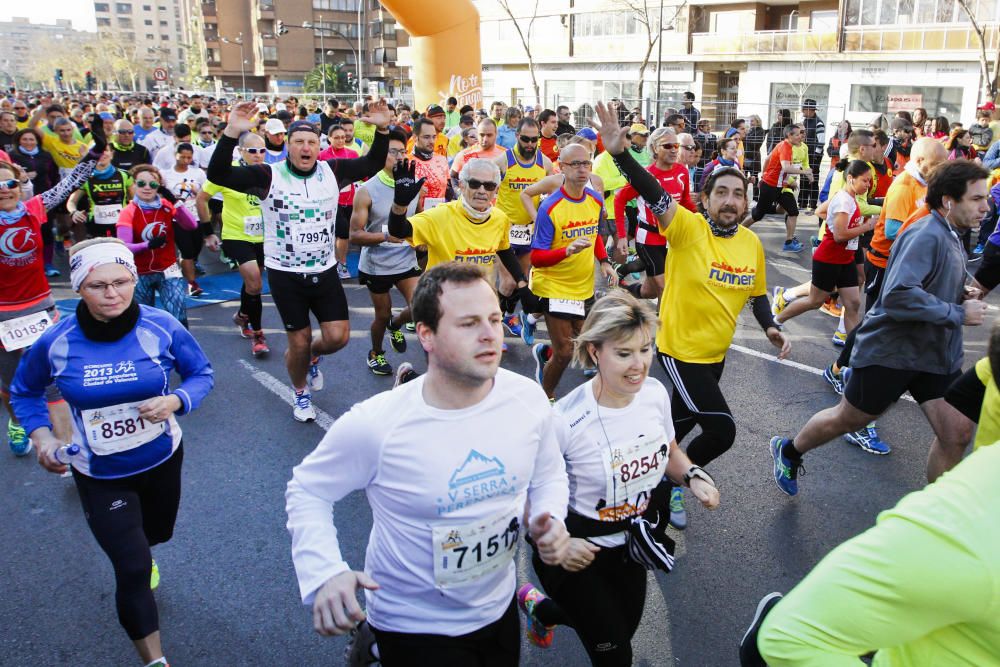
x,y
93,256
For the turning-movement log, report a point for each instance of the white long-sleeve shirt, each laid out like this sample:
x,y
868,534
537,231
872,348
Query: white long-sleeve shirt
x,y
447,489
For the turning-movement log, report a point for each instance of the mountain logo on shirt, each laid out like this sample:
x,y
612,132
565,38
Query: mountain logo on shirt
x,y
475,256
18,242
579,229
475,468
721,273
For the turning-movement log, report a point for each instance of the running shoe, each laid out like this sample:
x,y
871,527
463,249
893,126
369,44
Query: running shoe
x,y
315,375
377,363
154,576
343,272
52,271
528,597
977,253
868,440
792,245
786,473
839,338
814,240
678,515
194,289
749,654
542,352
512,323
411,327
396,339
258,346
243,322
835,378
832,307
779,302
528,330
359,651
18,440
303,410
162,662
404,374
199,270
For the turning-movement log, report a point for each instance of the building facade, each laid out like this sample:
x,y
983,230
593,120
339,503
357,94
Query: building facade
x,y
19,41
242,47
150,32
857,58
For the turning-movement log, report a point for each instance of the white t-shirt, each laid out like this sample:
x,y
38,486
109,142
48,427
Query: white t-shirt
x,y
185,186
842,202
166,157
598,442
429,475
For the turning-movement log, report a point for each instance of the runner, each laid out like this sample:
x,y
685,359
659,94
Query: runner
x,y
439,575
487,149
431,168
298,200
43,174
386,261
600,588
127,152
911,339
130,481
547,124
717,266
772,181
342,228
185,181
106,193
436,115
242,242
274,141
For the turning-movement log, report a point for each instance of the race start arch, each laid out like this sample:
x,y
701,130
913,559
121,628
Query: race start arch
x,y
444,48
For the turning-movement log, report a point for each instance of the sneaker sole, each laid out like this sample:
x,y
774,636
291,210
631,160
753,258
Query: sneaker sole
x,y
539,367
863,448
304,421
763,605
379,373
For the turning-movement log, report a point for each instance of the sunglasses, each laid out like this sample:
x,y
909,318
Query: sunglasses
x,y
254,151
475,184
688,148
9,184
670,147
126,131
152,184
528,140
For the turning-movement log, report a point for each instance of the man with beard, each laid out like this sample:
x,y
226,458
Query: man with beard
x,y
431,167
195,110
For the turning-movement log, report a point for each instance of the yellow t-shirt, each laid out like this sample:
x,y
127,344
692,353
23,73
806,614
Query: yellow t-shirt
x,y
64,155
989,415
995,126
562,220
240,214
708,281
518,177
450,236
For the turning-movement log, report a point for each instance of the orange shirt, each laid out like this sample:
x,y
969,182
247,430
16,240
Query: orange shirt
x,y
548,148
774,175
905,195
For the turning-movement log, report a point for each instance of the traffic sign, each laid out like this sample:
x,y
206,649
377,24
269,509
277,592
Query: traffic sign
x,y
160,74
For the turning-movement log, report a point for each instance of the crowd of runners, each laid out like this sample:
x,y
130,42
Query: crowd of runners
x,y
628,244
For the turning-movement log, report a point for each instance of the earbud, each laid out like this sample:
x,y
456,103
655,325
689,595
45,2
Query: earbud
x,y
947,205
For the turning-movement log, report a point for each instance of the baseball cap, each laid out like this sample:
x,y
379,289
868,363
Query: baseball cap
x,y
434,110
989,106
299,126
166,113
274,126
587,133
529,109
900,124
262,108
283,115
808,103
106,116
280,106
638,128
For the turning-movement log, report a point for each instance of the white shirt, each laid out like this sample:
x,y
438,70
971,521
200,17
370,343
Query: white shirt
x,y
156,140
185,186
592,436
166,157
203,154
426,471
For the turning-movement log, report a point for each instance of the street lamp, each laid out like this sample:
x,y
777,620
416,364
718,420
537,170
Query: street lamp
x,y
243,71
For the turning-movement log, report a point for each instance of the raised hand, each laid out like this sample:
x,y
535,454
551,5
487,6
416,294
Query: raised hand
x,y
242,118
404,173
378,114
612,134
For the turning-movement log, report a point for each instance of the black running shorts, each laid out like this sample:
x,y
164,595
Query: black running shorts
x,y
298,294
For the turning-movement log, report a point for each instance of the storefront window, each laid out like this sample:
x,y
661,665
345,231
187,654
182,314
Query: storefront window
x,y
890,99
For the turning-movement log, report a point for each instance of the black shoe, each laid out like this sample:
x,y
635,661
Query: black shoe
x,y
396,339
749,655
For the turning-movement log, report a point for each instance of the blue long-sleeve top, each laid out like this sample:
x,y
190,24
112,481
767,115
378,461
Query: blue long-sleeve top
x,y
992,158
95,375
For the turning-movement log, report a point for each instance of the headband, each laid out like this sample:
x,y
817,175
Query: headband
x,y
93,256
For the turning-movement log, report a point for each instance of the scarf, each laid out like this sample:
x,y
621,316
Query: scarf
x,y
422,154
124,148
911,169
473,214
721,232
724,162
110,331
32,152
148,205
10,217
105,173
386,179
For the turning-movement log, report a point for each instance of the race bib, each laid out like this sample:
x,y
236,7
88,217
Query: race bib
x,y
431,202
466,553
567,306
253,225
173,271
632,471
23,331
520,234
107,214
118,428
311,236
852,244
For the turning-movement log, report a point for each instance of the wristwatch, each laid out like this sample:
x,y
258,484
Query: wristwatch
x,y
696,471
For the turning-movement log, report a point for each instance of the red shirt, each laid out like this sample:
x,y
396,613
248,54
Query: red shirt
x,y
548,148
435,171
147,225
774,174
22,266
829,250
675,182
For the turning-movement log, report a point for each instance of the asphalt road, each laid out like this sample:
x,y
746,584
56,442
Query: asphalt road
x,y
228,593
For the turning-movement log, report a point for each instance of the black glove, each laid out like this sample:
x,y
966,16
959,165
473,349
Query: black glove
x,y
156,242
165,192
407,185
97,133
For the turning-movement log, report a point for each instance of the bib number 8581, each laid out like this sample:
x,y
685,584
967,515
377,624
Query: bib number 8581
x,y
120,427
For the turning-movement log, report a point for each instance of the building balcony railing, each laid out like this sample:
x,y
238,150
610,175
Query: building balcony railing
x,y
762,42
208,9
936,37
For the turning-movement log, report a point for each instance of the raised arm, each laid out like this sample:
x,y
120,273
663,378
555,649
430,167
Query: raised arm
x,y
81,172
220,168
362,168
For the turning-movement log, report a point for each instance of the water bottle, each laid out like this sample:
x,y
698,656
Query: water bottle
x,y
65,454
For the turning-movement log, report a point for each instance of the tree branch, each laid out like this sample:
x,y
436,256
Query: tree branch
x,y
989,83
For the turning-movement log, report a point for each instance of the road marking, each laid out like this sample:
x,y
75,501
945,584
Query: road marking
x,y
280,389
788,265
786,362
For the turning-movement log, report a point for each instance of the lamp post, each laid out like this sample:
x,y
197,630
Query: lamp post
x,y
321,29
243,71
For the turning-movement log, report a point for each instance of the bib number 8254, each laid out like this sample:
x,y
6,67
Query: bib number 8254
x,y
639,467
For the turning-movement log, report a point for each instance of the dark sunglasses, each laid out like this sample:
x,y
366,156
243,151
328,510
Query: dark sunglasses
x,y
475,184
669,147
142,184
688,148
126,131
9,184
255,151
528,140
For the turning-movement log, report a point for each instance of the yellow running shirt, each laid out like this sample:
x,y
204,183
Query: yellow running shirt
x,y
518,177
708,281
989,415
450,236
241,218
64,155
562,220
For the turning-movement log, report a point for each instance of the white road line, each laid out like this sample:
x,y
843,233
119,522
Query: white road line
x,y
786,362
789,266
280,389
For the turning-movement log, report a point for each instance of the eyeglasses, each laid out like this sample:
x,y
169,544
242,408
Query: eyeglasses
x,y
475,184
579,164
670,147
254,151
126,131
142,184
528,140
117,286
9,184
397,152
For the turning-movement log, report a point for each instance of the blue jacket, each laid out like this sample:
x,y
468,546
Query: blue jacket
x,y
992,158
506,136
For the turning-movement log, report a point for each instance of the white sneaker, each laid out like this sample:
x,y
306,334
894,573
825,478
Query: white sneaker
x,y
303,411
315,376
343,272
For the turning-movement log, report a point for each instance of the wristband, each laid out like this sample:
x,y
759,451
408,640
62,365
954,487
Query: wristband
x,y
697,471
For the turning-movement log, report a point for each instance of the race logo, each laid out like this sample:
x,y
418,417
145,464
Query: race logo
x,y
579,229
479,478
18,243
724,275
454,539
475,256
155,230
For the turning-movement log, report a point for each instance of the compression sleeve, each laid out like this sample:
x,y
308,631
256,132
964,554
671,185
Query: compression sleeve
x,y
61,191
399,226
349,170
762,312
126,236
542,257
509,260
183,217
892,228
625,195
256,177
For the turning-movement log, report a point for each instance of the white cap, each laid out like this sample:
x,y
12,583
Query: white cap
x,y
280,106
274,126
262,108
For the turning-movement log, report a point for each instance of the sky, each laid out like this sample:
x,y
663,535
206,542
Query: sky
x,y
81,12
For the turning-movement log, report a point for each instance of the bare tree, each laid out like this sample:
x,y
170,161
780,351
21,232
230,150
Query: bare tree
x,y
989,76
649,18
525,40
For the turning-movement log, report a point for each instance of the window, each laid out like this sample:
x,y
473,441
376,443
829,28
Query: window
x,y
212,55
149,36
596,24
908,12
824,21
346,29
147,8
162,8
790,96
389,29
164,38
148,22
338,5
123,8
270,54
180,56
124,22
103,22
890,99
102,7
163,24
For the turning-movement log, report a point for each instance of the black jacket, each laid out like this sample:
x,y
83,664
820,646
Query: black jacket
x,y
46,172
126,159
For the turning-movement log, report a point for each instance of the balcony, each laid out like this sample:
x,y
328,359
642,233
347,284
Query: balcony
x,y
763,42
935,37
265,10
208,9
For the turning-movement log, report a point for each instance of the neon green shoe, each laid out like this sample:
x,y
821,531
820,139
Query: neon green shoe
x,y
154,577
18,440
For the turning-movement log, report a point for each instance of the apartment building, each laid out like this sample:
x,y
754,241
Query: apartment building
x,y
857,58
19,40
153,33
242,47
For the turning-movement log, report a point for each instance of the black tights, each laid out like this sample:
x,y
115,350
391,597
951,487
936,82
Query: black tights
x,y
697,400
127,516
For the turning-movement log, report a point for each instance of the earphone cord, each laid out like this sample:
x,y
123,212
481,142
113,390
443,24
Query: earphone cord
x,y
607,440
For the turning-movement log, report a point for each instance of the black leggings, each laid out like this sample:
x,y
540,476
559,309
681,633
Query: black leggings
x,y
603,603
698,401
768,196
127,516
495,645
874,278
